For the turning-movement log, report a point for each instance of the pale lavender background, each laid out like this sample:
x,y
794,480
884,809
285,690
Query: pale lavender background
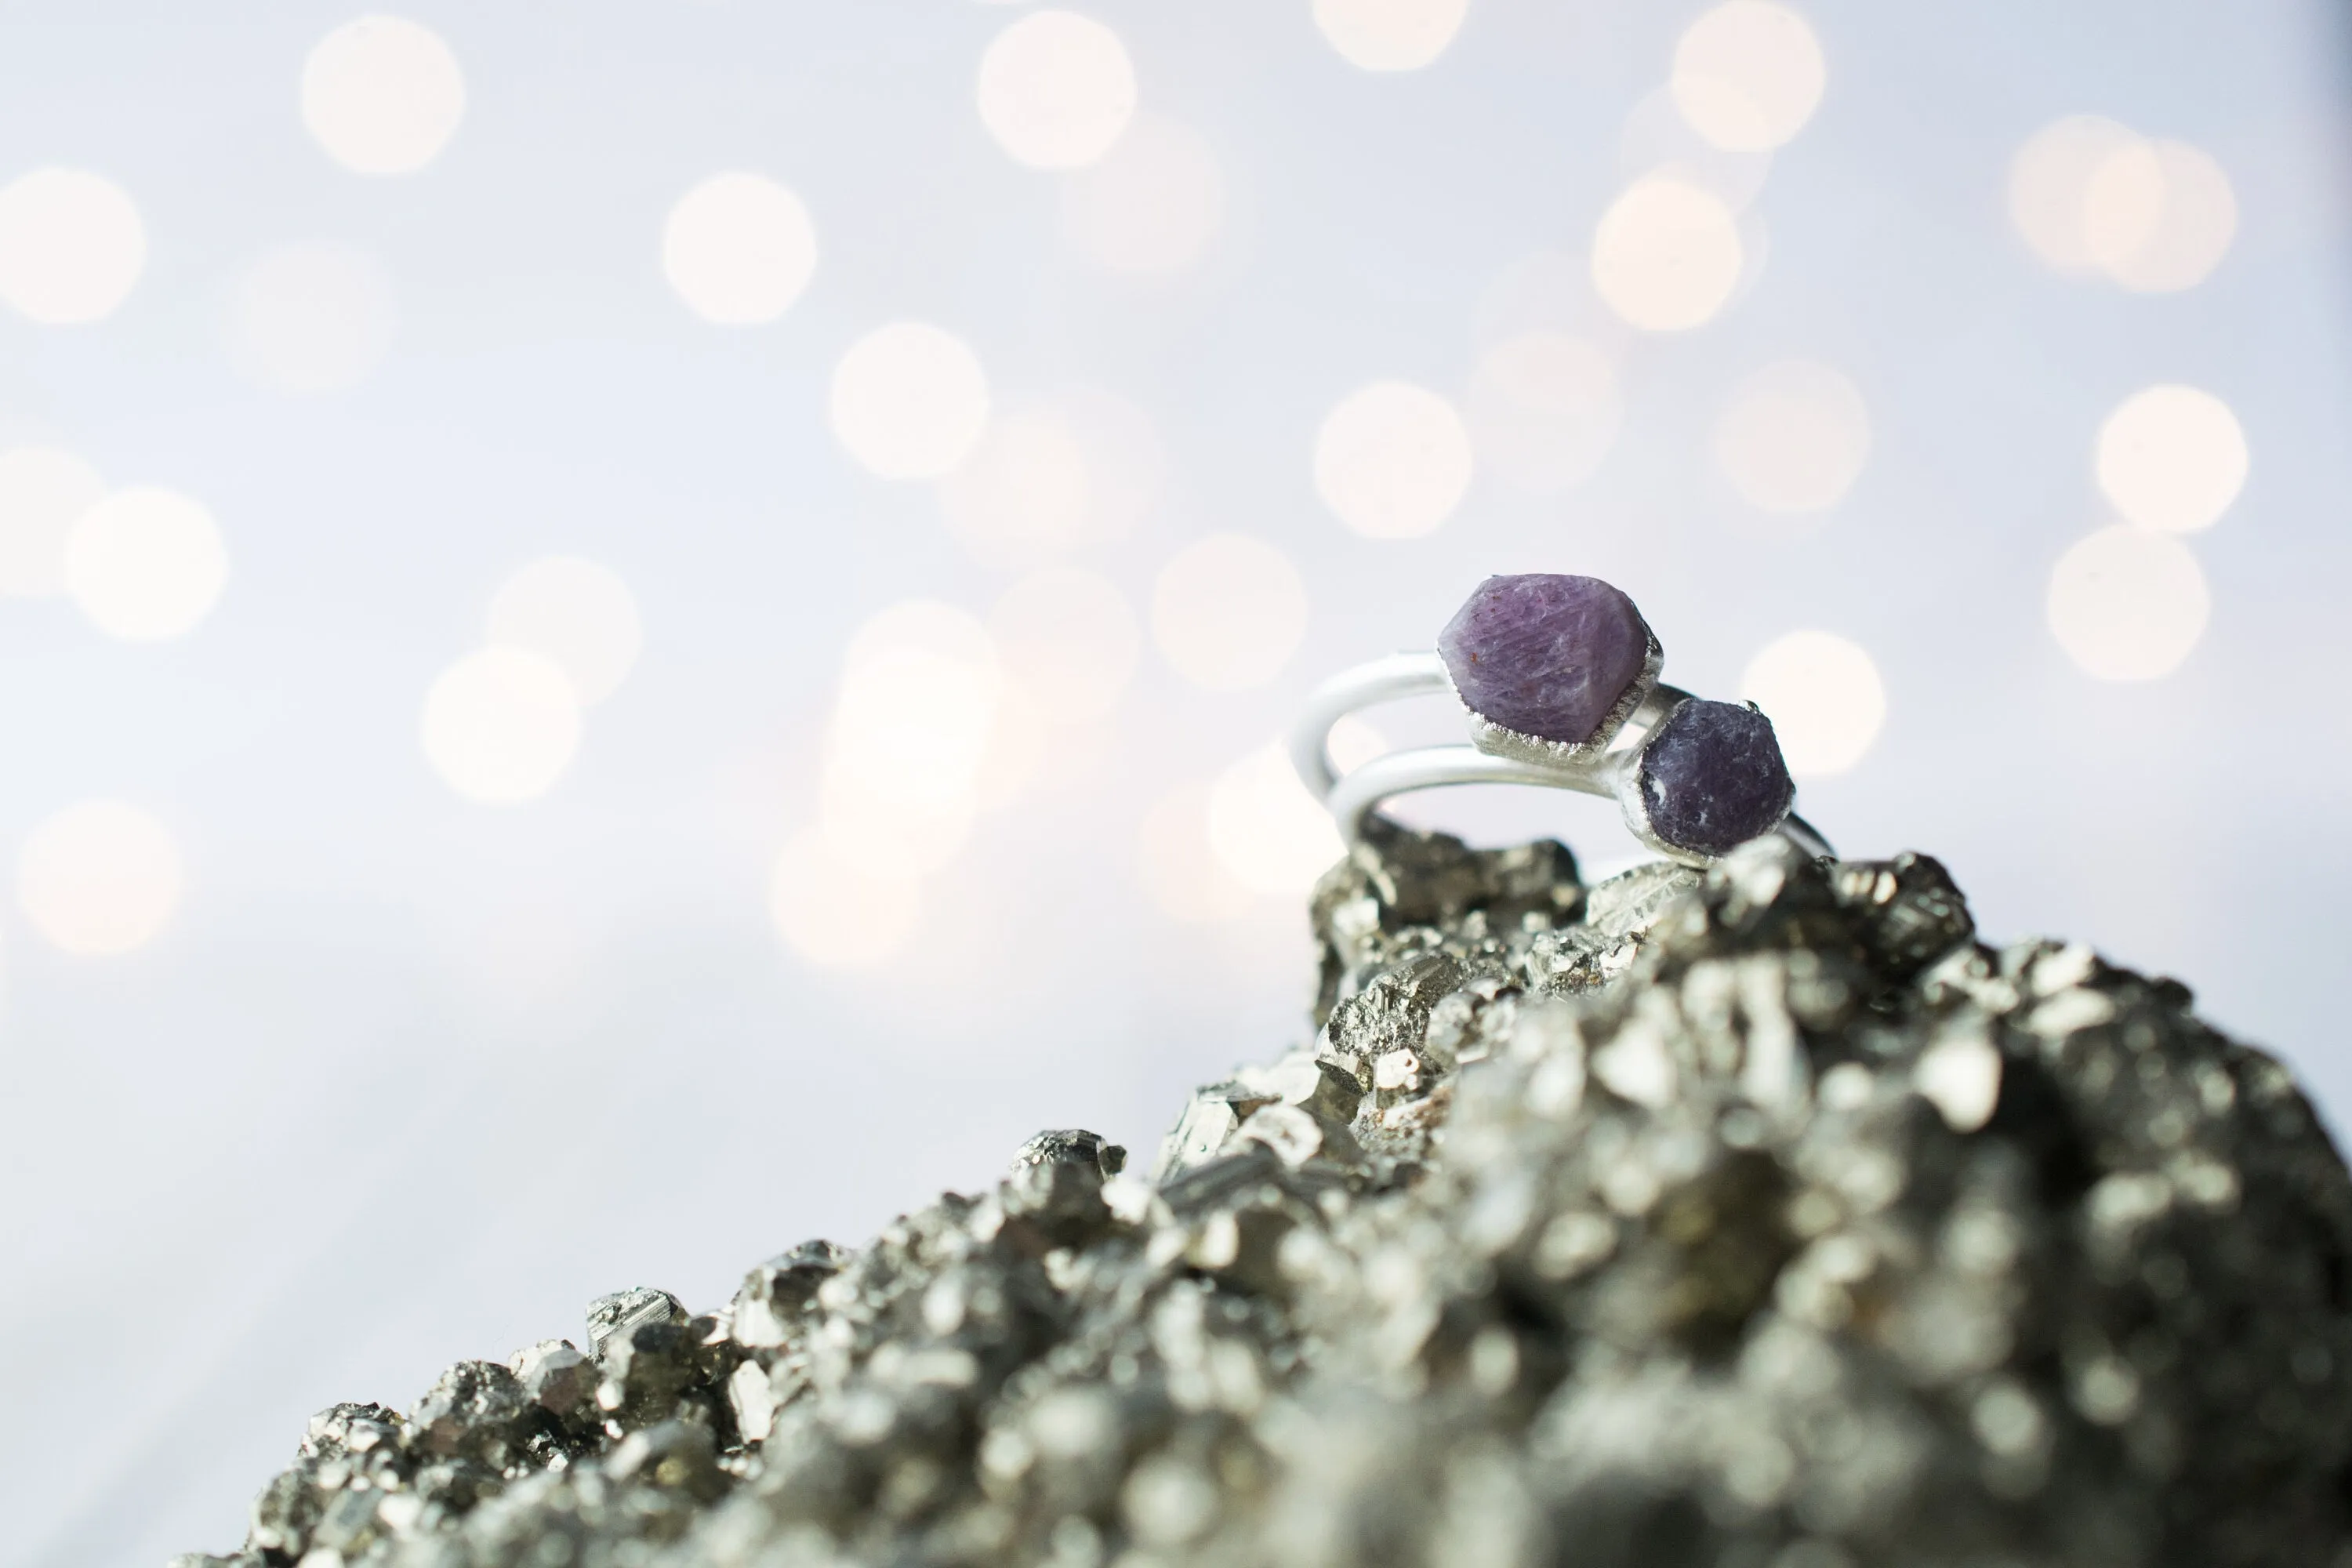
x,y
310,1147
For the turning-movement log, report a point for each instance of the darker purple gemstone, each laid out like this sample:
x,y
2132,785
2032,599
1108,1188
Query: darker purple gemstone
x,y
1712,777
1544,654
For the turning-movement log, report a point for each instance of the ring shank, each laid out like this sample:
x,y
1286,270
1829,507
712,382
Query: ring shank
x,y
1353,798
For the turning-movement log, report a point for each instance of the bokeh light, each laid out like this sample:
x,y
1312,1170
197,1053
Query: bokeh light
x,y
739,249
920,689
1747,75
2159,216
1126,463
1180,872
2094,198
1824,697
99,877
838,911
2049,178
1151,207
2128,604
1013,761
1541,291
1543,410
2172,457
1389,35
382,95
145,564
1667,254
1056,90
310,318
1392,460
501,725
1069,640
44,492
575,612
1024,488
909,401
1657,138
71,246
1228,611
1794,437
1268,832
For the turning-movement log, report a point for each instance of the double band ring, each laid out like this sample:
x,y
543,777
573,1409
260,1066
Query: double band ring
x,y
1558,677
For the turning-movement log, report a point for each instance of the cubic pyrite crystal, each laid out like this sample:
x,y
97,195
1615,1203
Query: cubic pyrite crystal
x,y
1547,654
1712,777
1751,1217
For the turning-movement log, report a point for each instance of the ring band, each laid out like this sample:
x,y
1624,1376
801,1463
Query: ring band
x,y
1612,758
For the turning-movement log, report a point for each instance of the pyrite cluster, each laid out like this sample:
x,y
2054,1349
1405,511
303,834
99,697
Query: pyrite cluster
x,y
1755,1218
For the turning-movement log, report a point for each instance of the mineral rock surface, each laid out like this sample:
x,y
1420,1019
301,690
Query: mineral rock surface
x,y
1757,1219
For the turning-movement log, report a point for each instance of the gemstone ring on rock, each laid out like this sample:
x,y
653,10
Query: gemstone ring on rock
x,y
1559,676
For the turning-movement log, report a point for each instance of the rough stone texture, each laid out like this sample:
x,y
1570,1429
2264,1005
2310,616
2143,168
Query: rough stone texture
x,y
1545,654
1713,777
1752,1218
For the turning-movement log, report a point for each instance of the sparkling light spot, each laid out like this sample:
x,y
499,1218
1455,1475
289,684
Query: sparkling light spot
x,y
501,724
2157,217
1543,410
1389,35
739,249
909,401
1228,611
1151,207
99,877
310,318
1825,697
1268,833
836,910
71,246
1667,254
43,493
382,95
920,691
2128,604
1022,491
1056,90
145,564
575,612
1747,75
1069,641
1794,437
2172,457
1392,460
1180,873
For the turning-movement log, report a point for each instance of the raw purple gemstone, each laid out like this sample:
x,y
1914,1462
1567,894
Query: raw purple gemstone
x,y
1712,777
1545,654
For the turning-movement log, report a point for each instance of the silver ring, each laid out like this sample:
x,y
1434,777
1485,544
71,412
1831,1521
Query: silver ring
x,y
1600,740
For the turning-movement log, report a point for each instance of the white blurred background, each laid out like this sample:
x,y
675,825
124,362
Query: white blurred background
x,y
639,631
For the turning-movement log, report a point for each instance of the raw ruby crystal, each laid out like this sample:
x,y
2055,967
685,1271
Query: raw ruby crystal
x,y
1713,778
1545,654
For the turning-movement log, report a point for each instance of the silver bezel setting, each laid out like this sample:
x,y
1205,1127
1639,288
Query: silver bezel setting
x,y
1502,741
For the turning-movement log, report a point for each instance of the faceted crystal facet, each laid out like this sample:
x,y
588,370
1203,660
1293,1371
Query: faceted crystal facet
x,y
1545,654
1712,777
